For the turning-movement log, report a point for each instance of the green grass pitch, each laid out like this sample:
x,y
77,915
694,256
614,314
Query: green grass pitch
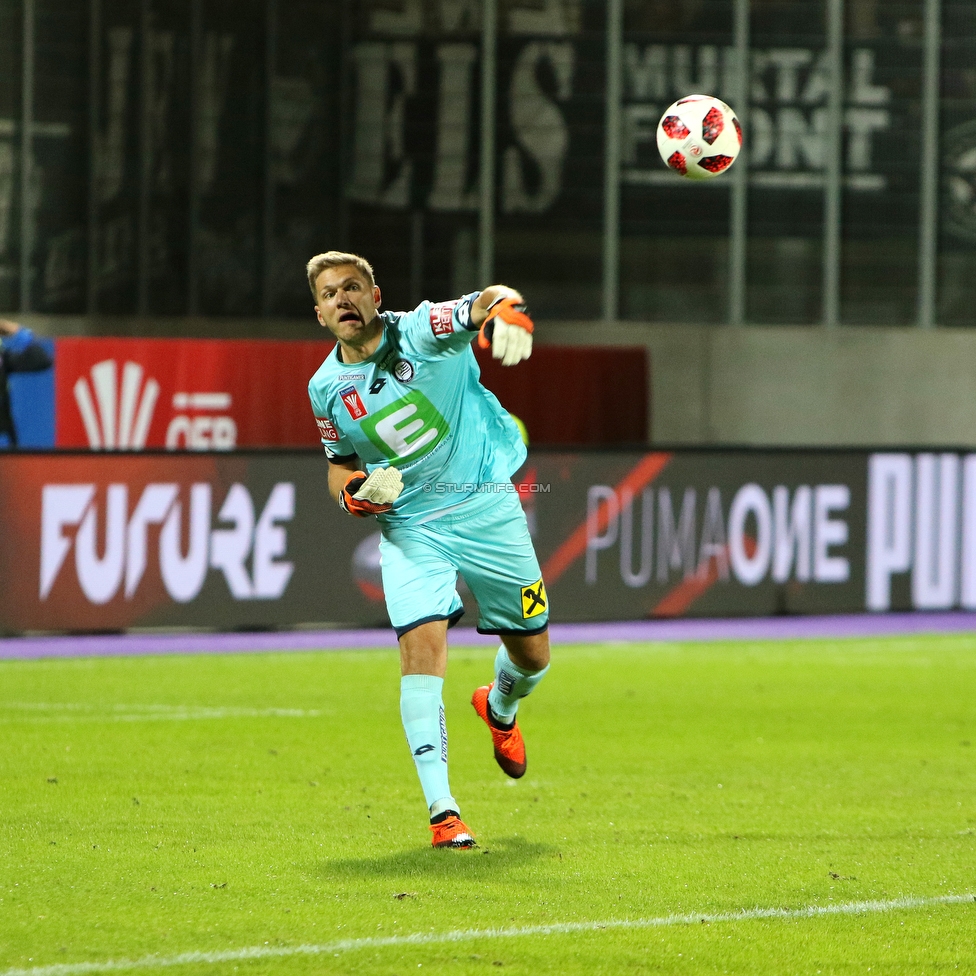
x,y
260,814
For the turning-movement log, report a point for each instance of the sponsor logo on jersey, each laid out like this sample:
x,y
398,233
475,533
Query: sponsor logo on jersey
x,y
406,429
403,370
354,404
326,430
442,318
534,599
349,377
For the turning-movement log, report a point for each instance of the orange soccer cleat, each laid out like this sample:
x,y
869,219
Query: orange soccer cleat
x,y
509,745
451,832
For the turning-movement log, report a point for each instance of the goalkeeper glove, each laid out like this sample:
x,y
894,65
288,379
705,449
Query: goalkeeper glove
x,y
363,496
508,330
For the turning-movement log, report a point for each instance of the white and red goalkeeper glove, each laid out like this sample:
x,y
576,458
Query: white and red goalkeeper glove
x,y
362,496
508,330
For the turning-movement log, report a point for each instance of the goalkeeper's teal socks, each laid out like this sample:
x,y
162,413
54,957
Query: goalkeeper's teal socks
x,y
422,711
511,684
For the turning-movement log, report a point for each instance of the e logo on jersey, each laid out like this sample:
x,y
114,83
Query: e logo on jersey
x,y
355,406
406,429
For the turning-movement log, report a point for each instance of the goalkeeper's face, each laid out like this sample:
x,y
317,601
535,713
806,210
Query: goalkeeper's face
x,y
347,304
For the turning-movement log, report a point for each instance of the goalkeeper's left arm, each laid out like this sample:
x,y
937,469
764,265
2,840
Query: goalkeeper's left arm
x,y
499,313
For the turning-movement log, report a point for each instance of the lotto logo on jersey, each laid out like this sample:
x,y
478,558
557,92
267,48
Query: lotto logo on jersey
x,y
327,432
355,406
442,318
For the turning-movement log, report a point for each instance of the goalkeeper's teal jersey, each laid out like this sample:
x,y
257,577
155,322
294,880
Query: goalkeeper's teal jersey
x,y
418,404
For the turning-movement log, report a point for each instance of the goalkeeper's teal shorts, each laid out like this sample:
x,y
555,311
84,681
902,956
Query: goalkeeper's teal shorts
x,y
487,541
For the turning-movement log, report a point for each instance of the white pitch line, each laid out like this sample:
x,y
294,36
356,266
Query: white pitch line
x,y
67,712
471,935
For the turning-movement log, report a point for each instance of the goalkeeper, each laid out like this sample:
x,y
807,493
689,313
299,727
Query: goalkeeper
x,y
415,440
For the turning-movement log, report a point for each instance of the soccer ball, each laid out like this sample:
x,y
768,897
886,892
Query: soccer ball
x,y
699,137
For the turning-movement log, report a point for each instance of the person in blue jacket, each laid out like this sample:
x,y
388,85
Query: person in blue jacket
x,y
20,352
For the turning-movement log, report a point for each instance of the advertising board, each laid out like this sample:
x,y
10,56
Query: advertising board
x,y
186,394
231,540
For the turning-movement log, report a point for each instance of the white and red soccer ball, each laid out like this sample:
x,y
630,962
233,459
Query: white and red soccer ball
x,y
699,137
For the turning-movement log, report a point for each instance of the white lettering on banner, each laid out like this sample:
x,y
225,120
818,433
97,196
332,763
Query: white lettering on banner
x,y
540,129
380,118
61,506
791,532
123,540
201,433
768,539
183,576
151,509
600,499
967,589
889,530
829,532
100,577
407,18
916,524
454,130
713,543
675,542
113,420
936,495
627,573
921,520
750,560
229,548
786,136
119,414
386,79
271,576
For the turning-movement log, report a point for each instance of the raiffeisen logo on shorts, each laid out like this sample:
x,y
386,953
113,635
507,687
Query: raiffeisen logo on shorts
x,y
117,408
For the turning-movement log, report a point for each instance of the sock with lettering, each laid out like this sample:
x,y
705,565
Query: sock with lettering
x,y
512,683
422,711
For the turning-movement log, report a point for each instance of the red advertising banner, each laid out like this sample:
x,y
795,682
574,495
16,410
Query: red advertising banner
x,y
569,395
185,394
221,394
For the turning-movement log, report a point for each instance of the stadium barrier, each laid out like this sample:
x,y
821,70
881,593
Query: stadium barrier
x,y
97,541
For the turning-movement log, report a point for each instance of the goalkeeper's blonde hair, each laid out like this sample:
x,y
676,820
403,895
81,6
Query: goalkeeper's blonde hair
x,y
335,259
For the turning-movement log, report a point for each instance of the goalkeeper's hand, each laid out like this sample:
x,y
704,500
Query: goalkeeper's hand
x,y
362,496
508,330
